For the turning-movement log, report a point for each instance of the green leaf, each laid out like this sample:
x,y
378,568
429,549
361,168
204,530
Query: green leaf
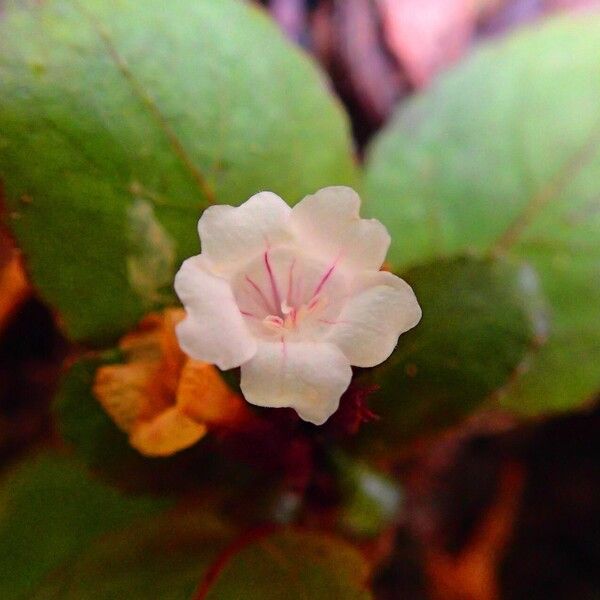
x,y
163,558
502,158
482,319
291,564
172,556
50,510
120,122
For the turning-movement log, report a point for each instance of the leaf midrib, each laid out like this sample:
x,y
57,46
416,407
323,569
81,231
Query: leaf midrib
x,y
565,175
148,102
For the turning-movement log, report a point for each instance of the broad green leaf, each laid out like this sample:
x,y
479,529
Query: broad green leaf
x,y
501,158
121,121
291,564
482,320
163,559
50,510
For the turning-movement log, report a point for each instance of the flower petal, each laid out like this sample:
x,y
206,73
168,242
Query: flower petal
x,y
124,391
232,234
367,329
328,223
204,396
214,330
309,377
168,433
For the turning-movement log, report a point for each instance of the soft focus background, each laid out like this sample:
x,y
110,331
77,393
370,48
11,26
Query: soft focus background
x,y
464,468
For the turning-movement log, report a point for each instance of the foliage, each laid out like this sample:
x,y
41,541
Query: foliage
x,y
292,565
50,510
482,321
138,117
502,158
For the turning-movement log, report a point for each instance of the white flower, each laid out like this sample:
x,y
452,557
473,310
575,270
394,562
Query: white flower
x,y
293,295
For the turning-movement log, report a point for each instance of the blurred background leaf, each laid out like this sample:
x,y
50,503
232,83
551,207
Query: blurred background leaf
x,y
50,510
482,319
290,564
163,557
70,536
501,157
121,122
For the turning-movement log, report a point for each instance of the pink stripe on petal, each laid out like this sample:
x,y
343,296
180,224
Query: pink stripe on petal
x,y
329,322
325,278
260,293
274,288
290,288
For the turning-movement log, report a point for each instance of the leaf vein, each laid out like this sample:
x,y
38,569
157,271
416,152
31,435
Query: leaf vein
x,y
549,192
150,103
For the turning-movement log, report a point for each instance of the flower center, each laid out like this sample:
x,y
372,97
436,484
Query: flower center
x,y
283,294
291,317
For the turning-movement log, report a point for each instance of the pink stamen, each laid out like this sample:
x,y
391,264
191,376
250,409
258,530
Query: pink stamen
x,y
273,321
274,288
290,319
260,293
